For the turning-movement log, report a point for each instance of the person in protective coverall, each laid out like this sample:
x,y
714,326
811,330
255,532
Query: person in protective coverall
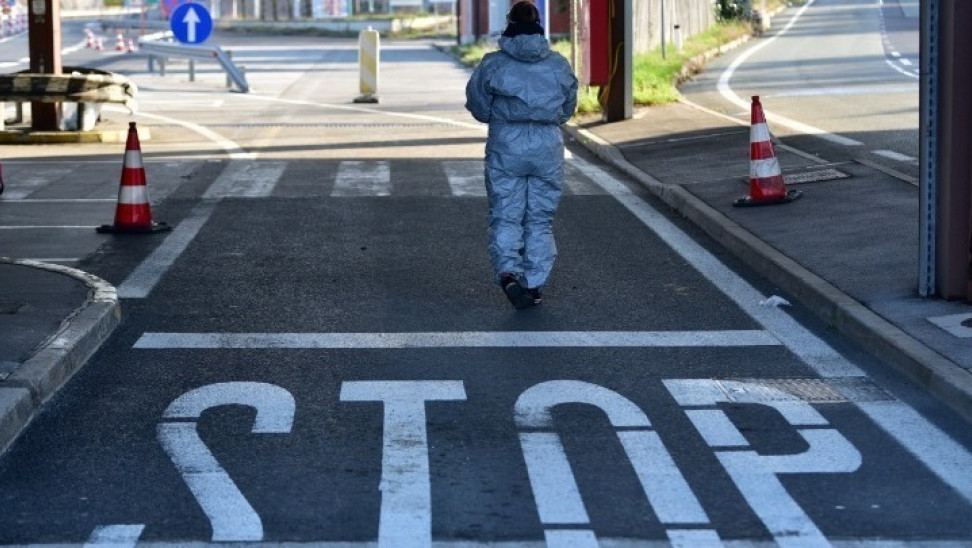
x,y
524,92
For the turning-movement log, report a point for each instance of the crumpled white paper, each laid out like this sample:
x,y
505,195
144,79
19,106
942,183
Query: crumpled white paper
x,y
776,301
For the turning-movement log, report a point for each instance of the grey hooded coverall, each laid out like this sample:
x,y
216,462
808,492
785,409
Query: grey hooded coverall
x,y
524,92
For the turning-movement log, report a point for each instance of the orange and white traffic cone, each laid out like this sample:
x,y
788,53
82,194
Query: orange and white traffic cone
x,y
100,45
766,184
131,46
120,43
91,39
133,215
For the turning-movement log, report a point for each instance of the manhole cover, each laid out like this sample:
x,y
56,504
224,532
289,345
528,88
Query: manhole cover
x,y
837,390
815,176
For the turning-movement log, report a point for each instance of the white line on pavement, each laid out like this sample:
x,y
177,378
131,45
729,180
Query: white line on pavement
x,y
942,455
144,278
115,536
476,339
234,150
363,178
896,156
726,90
477,126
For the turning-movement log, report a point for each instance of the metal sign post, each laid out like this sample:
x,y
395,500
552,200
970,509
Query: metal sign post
x,y
620,101
945,197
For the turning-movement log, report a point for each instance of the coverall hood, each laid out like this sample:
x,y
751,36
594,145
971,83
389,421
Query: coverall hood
x,y
529,48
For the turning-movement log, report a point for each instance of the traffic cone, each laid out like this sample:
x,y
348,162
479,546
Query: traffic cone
x,y
120,43
91,39
133,215
101,44
131,46
766,184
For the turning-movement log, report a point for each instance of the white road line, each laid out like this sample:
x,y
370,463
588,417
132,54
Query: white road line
x,y
234,151
896,156
363,178
115,536
246,180
679,539
941,454
475,339
476,126
466,177
231,516
146,276
847,90
406,491
726,91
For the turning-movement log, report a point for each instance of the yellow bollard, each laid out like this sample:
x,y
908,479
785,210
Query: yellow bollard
x,y
368,54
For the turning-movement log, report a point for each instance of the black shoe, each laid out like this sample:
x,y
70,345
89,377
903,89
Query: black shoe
x,y
515,292
534,294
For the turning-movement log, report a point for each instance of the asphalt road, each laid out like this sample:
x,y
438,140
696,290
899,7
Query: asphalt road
x,y
315,354
839,78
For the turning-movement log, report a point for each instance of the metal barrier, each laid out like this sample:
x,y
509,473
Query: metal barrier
x,y
84,86
159,49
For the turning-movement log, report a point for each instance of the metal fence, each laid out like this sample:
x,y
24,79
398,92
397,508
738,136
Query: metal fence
x,y
682,18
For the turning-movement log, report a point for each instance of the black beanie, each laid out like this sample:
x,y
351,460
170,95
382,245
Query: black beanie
x,y
516,29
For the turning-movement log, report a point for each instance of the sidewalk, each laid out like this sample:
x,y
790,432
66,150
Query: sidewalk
x,y
53,318
847,250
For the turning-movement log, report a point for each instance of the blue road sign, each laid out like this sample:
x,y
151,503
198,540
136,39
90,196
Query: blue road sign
x,y
191,23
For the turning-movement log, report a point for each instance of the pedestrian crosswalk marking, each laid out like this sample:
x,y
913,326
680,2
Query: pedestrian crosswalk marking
x,y
361,178
474,339
466,177
246,179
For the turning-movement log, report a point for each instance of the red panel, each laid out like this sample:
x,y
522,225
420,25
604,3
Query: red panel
x,y
595,42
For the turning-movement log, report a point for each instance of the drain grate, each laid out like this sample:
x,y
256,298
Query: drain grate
x,y
838,390
815,176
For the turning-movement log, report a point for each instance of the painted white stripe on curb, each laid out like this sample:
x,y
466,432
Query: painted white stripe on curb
x,y
474,339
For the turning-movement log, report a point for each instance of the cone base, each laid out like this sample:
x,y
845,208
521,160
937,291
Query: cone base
x,y
150,229
373,99
747,201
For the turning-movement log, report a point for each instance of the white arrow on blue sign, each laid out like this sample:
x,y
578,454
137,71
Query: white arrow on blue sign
x,y
191,23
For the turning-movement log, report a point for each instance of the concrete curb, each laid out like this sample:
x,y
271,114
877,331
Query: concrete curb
x,y
942,378
24,392
30,137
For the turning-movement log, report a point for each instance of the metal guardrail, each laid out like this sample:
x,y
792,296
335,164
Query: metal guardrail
x,y
161,49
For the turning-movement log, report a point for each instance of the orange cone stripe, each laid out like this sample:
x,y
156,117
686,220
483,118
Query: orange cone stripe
x,y
132,177
133,215
133,195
